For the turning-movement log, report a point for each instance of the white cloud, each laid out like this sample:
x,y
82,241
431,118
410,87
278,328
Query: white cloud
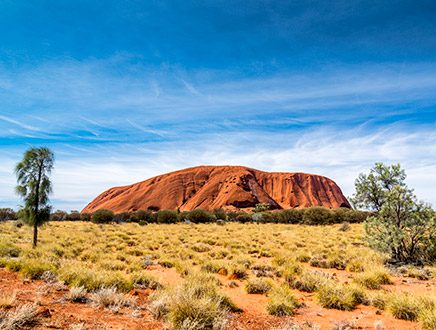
x,y
338,155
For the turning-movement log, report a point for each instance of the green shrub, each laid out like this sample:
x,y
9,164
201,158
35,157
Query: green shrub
x,y
293,216
58,215
219,214
167,216
73,216
266,217
317,216
85,217
7,214
200,216
143,215
102,216
122,217
282,302
261,207
258,286
243,218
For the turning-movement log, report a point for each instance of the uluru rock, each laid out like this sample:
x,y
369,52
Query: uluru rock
x,y
228,187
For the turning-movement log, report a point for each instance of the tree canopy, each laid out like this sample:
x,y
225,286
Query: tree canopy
x,y
34,186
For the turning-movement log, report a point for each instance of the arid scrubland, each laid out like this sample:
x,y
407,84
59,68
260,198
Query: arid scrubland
x,y
198,275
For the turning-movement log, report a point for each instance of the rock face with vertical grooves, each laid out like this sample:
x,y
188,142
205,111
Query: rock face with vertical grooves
x,y
228,187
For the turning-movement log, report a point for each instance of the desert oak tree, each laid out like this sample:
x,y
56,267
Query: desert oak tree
x,y
34,186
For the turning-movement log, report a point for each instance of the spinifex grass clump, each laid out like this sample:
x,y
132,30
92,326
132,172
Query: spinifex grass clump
x,y
336,296
195,304
258,286
282,302
373,279
308,280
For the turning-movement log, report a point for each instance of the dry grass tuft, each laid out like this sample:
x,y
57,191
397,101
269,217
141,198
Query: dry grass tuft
x,y
24,315
110,298
7,299
77,294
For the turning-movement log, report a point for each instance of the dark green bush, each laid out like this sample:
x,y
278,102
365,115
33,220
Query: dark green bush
x,y
58,216
261,207
73,216
317,216
85,216
183,216
290,216
102,216
167,216
7,214
200,216
243,218
267,217
219,214
143,215
122,217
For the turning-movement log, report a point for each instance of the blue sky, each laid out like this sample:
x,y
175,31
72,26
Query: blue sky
x,y
124,90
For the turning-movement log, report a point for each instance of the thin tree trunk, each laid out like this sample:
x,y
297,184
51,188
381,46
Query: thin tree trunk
x,y
35,234
36,224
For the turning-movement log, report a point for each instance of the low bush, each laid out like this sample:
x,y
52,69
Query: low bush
x,y
292,216
282,302
317,216
219,214
102,216
200,216
143,215
243,218
261,207
7,214
85,217
167,216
